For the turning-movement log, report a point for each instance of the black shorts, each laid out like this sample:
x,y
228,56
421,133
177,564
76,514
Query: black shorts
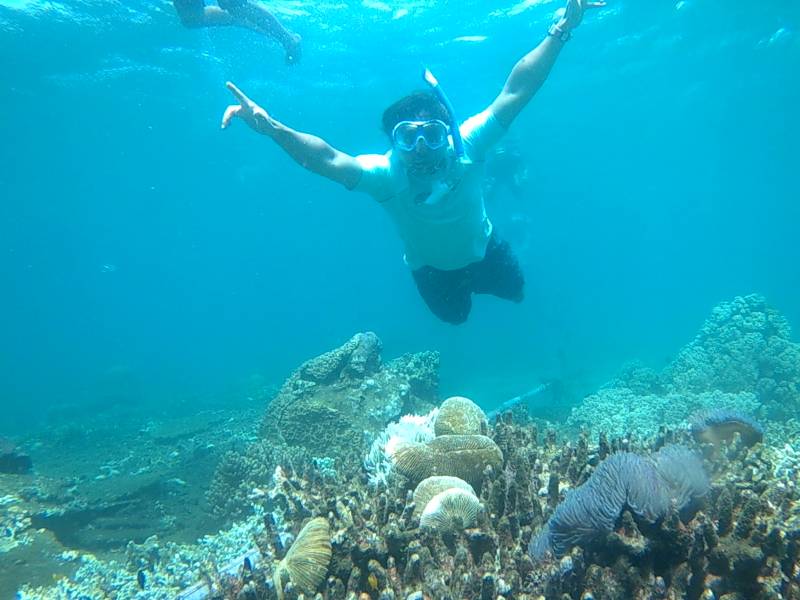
x,y
449,293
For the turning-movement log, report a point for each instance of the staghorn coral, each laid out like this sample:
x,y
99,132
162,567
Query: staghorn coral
x,y
460,416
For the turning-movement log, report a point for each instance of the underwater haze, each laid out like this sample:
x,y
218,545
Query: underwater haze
x,y
150,259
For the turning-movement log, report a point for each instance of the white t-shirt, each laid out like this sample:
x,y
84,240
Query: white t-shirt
x,y
450,229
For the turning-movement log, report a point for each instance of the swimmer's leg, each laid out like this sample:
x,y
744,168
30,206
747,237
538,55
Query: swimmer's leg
x,y
499,273
448,294
256,16
195,14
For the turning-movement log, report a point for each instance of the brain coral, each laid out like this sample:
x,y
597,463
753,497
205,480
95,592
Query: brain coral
x,y
451,510
429,487
460,416
462,456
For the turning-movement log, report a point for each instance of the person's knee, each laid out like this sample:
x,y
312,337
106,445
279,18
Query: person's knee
x,y
458,319
455,315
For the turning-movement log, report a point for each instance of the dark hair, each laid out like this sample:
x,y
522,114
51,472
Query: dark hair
x,y
419,105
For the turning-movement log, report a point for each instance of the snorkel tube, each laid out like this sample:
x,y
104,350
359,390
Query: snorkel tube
x,y
458,143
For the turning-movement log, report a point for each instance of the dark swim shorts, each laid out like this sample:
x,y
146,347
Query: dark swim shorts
x,y
449,293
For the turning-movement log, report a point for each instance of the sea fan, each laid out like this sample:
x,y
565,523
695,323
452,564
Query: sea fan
x,y
306,562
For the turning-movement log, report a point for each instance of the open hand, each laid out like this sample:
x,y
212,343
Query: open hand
x,y
248,111
573,13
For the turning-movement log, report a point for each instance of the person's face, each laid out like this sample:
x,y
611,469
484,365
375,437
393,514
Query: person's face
x,y
421,145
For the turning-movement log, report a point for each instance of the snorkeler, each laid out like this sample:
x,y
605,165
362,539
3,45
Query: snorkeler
x,y
242,13
431,181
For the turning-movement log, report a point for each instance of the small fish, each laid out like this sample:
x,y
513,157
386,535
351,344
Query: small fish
x,y
248,564
141,579
108,268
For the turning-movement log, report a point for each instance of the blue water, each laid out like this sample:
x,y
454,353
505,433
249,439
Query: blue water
x,y
147,254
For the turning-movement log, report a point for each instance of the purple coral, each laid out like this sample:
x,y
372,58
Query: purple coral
x,y
720,425
647,486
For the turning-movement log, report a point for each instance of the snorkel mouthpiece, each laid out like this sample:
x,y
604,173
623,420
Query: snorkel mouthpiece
x,y
458,143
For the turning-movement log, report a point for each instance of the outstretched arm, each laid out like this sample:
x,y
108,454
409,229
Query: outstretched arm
x,y
532,70
309,151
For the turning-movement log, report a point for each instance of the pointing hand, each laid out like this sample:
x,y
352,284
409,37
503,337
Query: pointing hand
x,y
247,110
573,13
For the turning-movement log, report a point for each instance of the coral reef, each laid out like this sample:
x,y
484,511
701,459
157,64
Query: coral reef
x,y
464,456
744,345
743,537
445,506
306,562
721,425
649,488
325,409
742,360
168,569
410,428
460,416
451,510
12,459
430,487
15,523
328,402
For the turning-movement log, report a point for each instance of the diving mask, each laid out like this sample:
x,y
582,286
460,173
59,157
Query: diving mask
x,y
433,133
